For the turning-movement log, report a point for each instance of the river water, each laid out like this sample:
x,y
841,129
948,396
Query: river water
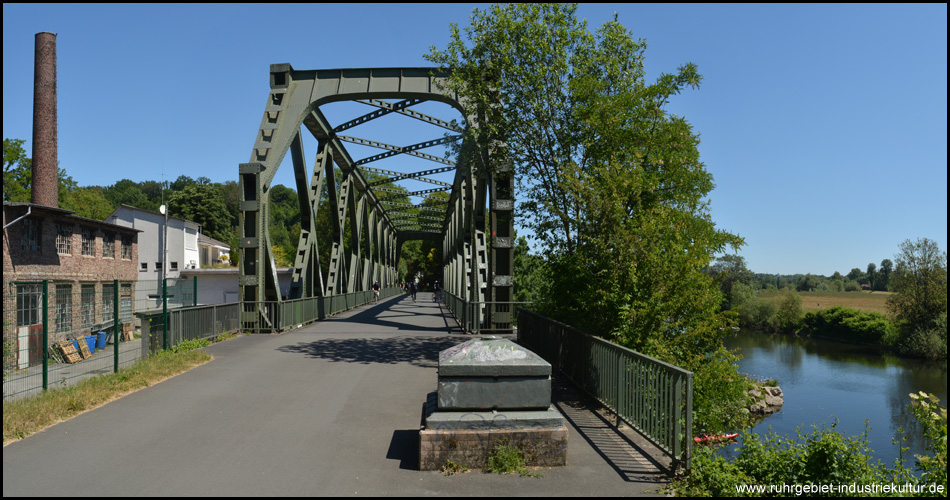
x,y
824,379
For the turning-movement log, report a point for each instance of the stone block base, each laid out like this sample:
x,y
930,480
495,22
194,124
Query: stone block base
x,y
542,446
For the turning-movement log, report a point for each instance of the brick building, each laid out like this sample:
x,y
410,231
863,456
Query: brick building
x,y
79,257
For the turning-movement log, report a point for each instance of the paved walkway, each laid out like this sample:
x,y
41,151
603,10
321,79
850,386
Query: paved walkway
x,y
331,409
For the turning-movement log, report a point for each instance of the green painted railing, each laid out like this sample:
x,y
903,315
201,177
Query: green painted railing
x,y
471,316
653,397
287,314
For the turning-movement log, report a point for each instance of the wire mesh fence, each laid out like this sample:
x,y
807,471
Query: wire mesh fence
x,y
58,332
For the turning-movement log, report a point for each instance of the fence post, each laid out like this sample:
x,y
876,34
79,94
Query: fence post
x,y
45,334
116,332
165,313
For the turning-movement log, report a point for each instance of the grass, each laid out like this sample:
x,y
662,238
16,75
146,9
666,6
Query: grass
x,y
814,301
24,417
507,459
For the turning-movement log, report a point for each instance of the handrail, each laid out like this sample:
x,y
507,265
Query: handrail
x,y
651,396
278,316
470,315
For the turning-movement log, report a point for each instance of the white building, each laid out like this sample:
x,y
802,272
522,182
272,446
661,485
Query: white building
x,y
212,252
182,253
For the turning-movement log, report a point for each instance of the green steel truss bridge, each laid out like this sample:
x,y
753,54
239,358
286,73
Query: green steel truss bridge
x,y
475,227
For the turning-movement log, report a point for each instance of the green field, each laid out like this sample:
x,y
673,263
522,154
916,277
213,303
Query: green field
x,y
813,301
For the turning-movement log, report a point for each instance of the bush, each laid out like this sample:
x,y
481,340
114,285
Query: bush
x,y
933,419
720,393
823,456
927,342
789,315
850,324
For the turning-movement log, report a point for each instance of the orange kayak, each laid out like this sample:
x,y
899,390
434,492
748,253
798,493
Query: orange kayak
x,y
706,438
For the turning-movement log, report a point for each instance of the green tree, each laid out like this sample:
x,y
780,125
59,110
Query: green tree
x,y
204,205
729,270
89,202
919,281
807,283
17,171
127,192
529,272
857,275
872,269
612,183
884,276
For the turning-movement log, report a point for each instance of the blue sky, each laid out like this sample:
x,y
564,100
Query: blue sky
x,y
824,126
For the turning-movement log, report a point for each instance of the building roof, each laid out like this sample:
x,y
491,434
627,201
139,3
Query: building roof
x,y
148,212
207,240
68,213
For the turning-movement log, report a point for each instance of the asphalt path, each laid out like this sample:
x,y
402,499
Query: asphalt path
x,y
330,409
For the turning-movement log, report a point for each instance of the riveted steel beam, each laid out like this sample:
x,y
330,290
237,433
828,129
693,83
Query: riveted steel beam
x,y
400,108
398,176
376,114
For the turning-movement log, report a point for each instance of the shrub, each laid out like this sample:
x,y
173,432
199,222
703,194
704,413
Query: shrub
x,y
927,342
823,456
933,419
850,324
789,315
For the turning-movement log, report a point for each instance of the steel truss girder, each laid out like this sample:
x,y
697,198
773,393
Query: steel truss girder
x,y
397,150
414,175
399,194
393,107
397,176
401,108
371,251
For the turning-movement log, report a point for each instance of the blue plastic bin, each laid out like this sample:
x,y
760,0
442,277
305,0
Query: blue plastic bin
x,y
100,340
91,341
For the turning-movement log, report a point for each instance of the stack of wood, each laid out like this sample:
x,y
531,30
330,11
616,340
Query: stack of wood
x,y
70,355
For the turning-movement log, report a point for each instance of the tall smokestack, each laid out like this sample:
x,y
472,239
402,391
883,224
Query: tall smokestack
x,y
45,161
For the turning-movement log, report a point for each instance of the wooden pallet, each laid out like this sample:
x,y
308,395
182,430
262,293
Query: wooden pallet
x,y
84,349
126,332
69,352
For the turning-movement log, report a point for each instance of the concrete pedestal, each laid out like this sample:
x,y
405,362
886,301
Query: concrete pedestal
x,y
491,390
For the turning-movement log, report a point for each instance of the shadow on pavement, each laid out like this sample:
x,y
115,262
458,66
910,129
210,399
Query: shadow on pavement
x,y
404,446
418,351
631,461
404,315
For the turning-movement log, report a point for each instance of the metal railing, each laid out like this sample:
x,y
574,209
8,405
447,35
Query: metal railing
x,y
287,314
472,316
189,323
653,397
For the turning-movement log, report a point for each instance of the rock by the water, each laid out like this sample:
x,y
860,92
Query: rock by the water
x,y
766,400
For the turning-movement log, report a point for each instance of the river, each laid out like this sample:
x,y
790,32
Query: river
x,y
824,379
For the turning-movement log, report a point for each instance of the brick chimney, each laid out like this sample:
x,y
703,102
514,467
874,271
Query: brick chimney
x,y
45,160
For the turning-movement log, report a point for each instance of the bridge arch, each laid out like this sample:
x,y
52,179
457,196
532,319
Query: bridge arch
x,y
477,265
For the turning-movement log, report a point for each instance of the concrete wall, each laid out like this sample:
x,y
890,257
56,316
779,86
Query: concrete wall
x,y
220,286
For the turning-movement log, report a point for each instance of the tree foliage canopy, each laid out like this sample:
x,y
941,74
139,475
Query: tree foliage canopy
x,y
919,281
610,183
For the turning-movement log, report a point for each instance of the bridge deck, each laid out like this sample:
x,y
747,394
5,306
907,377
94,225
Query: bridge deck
x,y
329,409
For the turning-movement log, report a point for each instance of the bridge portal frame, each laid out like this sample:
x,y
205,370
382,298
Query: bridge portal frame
x,y
478,268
